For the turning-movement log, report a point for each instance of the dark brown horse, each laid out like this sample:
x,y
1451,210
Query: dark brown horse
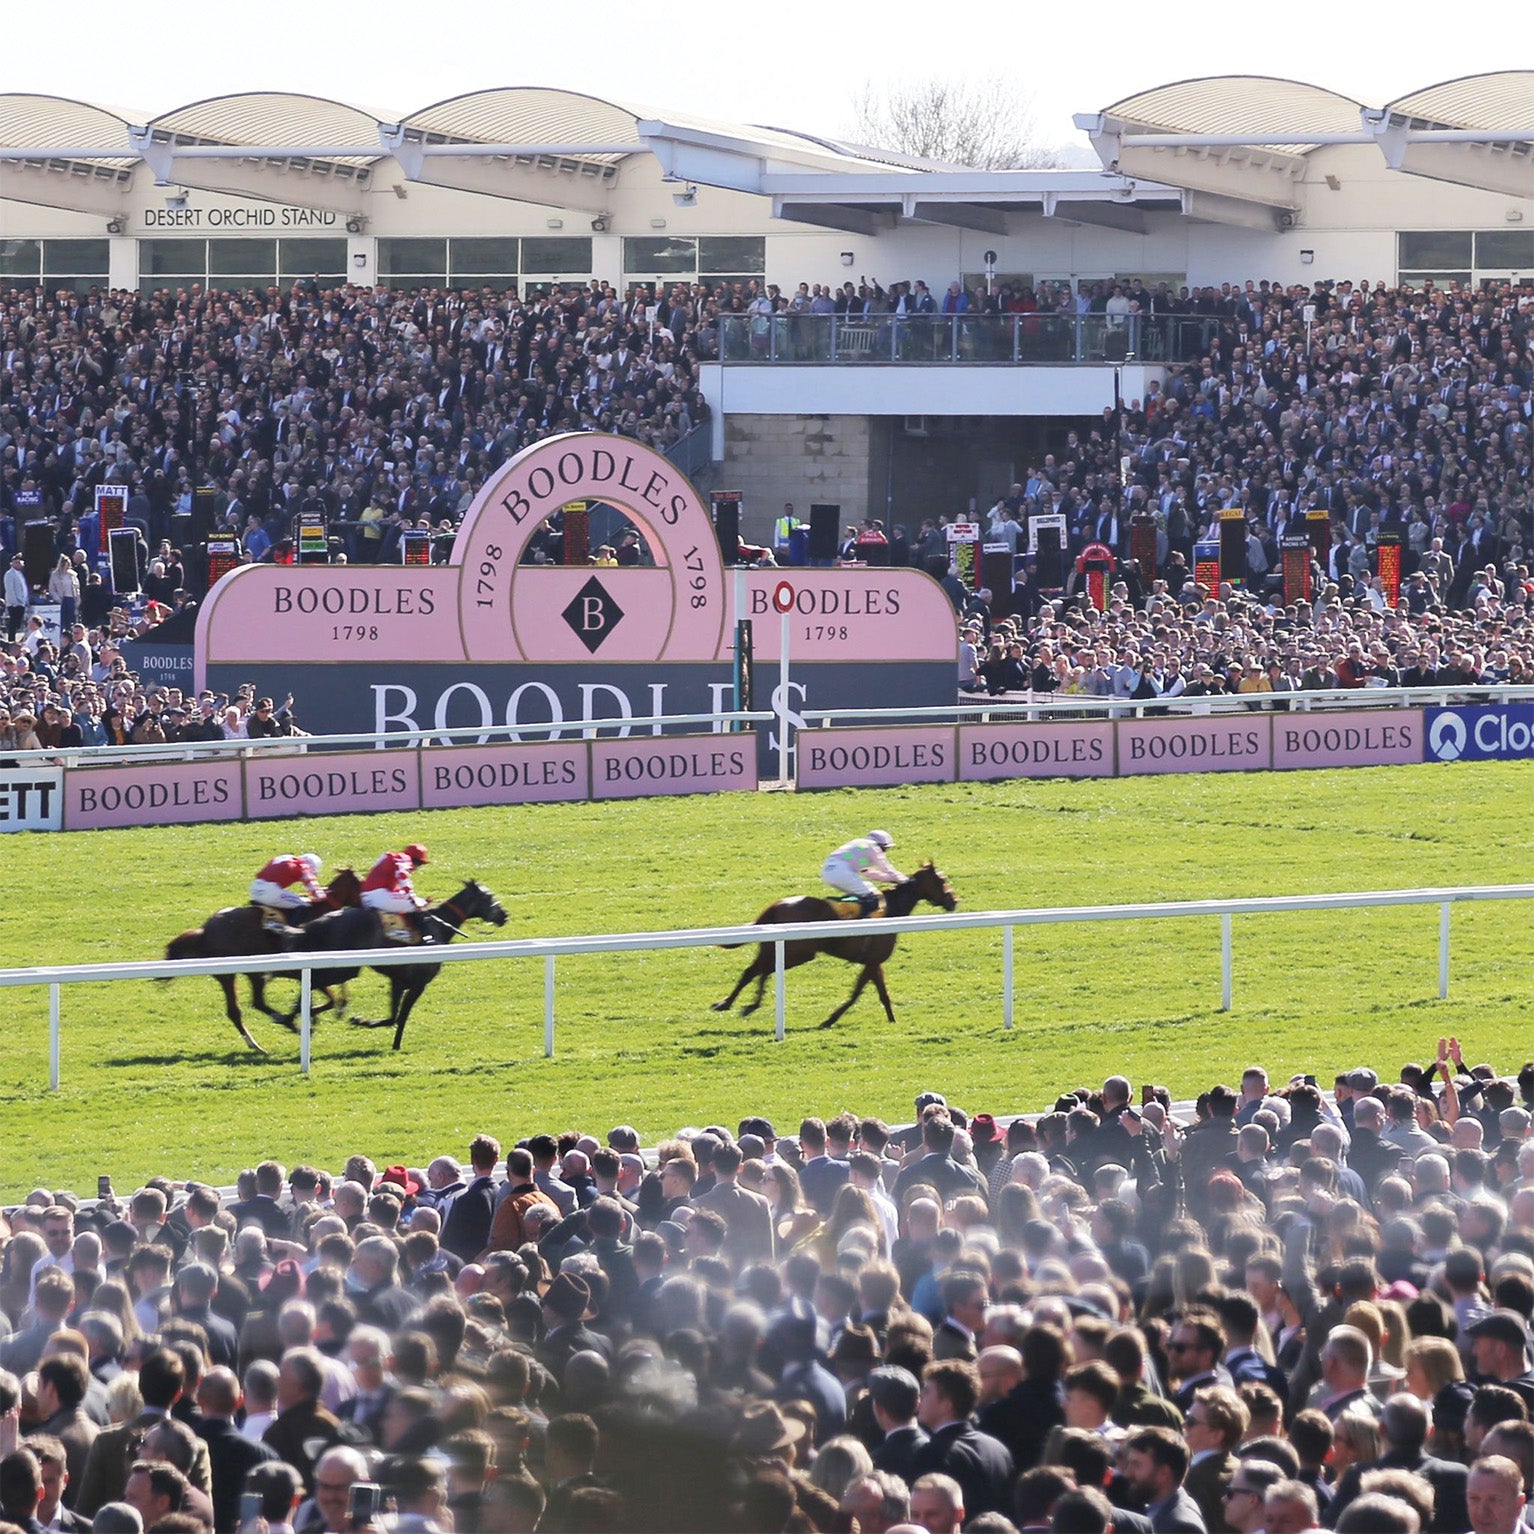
x,y
869,952
238,930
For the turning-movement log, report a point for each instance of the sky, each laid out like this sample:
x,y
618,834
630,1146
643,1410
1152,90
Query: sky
x,y
790,63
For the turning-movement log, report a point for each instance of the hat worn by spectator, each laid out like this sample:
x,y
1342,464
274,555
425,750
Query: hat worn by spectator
x,y
1503,1326
761,1127
1363,1079
118,1518
856,1345
983,1130
285,1281
925,1100
763,1429
400,1177
623,1137
569,1297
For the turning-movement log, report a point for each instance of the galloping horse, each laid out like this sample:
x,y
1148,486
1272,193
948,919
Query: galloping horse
x,y
363,929
238,930
869,952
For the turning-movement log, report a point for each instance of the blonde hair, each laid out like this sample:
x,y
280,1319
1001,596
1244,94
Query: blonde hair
x,y
1437,1358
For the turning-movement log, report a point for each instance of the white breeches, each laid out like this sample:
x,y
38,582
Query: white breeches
x,y
387,900
264,892
841,875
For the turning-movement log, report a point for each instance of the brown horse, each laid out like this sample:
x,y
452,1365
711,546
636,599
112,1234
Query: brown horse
x,y
238,930
869,952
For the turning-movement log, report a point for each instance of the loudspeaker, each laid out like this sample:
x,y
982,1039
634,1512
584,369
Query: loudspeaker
x,y
182,524
1233,550
996,575
126,575
204,508
825,524
727,528
37,552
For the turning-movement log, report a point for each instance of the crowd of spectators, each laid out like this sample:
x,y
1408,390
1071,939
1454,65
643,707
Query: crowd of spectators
x,y
1280,1310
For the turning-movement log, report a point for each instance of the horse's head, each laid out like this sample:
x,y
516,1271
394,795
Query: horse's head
x,y
480,903
932,886
345,889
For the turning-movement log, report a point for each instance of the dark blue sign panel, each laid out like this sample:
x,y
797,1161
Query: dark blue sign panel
x,y
1497,732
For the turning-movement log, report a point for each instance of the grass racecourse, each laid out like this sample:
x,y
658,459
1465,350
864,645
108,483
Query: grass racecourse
x,y
154,1078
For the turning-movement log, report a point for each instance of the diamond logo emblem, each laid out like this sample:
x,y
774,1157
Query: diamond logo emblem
x,y
592,614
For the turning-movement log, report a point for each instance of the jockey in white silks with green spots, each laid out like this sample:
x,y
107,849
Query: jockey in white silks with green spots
x,y
850,868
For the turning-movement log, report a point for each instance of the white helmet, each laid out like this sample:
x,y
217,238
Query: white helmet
x,y
311,861
881,839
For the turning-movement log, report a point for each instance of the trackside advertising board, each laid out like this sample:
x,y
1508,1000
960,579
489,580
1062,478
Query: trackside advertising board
x,y
1497,732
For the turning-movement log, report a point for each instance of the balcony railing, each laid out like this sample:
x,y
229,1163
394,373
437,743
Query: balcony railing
x,y
1032,340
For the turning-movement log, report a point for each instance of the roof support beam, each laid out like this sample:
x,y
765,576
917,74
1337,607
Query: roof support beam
x,y
862,221
75,189
960,215
1100,215
1235,212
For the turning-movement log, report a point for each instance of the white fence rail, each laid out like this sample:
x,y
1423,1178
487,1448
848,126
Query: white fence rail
x,y
550,950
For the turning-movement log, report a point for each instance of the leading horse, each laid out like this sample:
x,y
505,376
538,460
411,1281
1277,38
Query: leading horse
x,y
843,943
363,929
238,930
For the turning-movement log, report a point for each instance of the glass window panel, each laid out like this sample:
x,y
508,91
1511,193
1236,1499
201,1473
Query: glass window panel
x,y
1438,279
427,258
236,282
226,257
662,255
21,258
311,258
484,256
1432,249
1505,248
478,282
74,284
83,256
732,253
172,258
557,255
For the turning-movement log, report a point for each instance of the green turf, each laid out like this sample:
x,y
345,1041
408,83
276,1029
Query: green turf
x,y
155,1079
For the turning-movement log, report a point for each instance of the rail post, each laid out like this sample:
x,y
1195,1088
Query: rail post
x,y
53,1036
548,1007
1006,976
306,1013
1443,951
778,990
1225,962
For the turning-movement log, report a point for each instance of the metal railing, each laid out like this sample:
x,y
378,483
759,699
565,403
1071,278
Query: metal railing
x,y
550,950
694,451
1039,340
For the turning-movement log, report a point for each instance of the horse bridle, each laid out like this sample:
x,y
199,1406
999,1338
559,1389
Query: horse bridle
x,y
462,916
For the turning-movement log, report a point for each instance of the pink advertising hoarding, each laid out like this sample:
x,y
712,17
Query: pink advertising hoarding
x,y
1081,749
460,777
876,758
1225,744
1372,739
339,783
672,764
175,793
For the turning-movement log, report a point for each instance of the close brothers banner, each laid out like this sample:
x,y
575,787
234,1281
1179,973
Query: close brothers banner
x,y
643,766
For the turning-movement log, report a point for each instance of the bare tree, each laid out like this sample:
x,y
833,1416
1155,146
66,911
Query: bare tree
x,y
983,121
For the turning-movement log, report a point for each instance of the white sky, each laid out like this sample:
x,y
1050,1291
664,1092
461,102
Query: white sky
x,y
788,63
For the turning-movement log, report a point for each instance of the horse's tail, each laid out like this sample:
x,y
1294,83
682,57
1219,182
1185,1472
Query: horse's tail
x,y
188,945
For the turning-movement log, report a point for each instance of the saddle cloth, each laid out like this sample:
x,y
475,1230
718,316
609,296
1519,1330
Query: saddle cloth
x,y
273,918
398,928
850,910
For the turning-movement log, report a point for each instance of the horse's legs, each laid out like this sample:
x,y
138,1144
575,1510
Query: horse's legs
x,y
857,990
877,971
761,990
405,998
232,1007
258,999
753,969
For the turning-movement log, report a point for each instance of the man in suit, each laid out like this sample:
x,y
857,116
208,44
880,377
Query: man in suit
x,y
1246,1496
302,1422
230,1454
466,1230
1213,1427
1403,1432
61,1386
380,1301
964,1295
747,1216
52,1297
1194,1351
369,1353
564,1314
54,1465
21,1490
895,1394
195,1286
979,1463
1155,1462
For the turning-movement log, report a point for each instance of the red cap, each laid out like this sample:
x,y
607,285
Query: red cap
x,y
400,1177
416,853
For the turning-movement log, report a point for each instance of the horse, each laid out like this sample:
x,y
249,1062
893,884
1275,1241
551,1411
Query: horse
x,y
869,952
363,929
238,930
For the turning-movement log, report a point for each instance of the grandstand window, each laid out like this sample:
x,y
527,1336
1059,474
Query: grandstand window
x,y
725,256
184,260
81,258
1433,250
657,257
712,259
321,259
407,263
1505,250
255,259
557,256
484,257
21,258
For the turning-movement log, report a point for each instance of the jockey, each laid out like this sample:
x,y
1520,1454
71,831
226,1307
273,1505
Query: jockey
x,y
388,890
854,863
274,887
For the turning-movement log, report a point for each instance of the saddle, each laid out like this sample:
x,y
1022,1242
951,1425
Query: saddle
x,y
852,910
273,919
398,927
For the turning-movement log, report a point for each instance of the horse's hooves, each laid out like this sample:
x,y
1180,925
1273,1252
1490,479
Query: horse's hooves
x,y
747,1011
251,1044
720,1006
830,1022
364,1022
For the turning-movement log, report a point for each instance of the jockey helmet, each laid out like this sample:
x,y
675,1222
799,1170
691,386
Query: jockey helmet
x,y
416,853
311,862
882,840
